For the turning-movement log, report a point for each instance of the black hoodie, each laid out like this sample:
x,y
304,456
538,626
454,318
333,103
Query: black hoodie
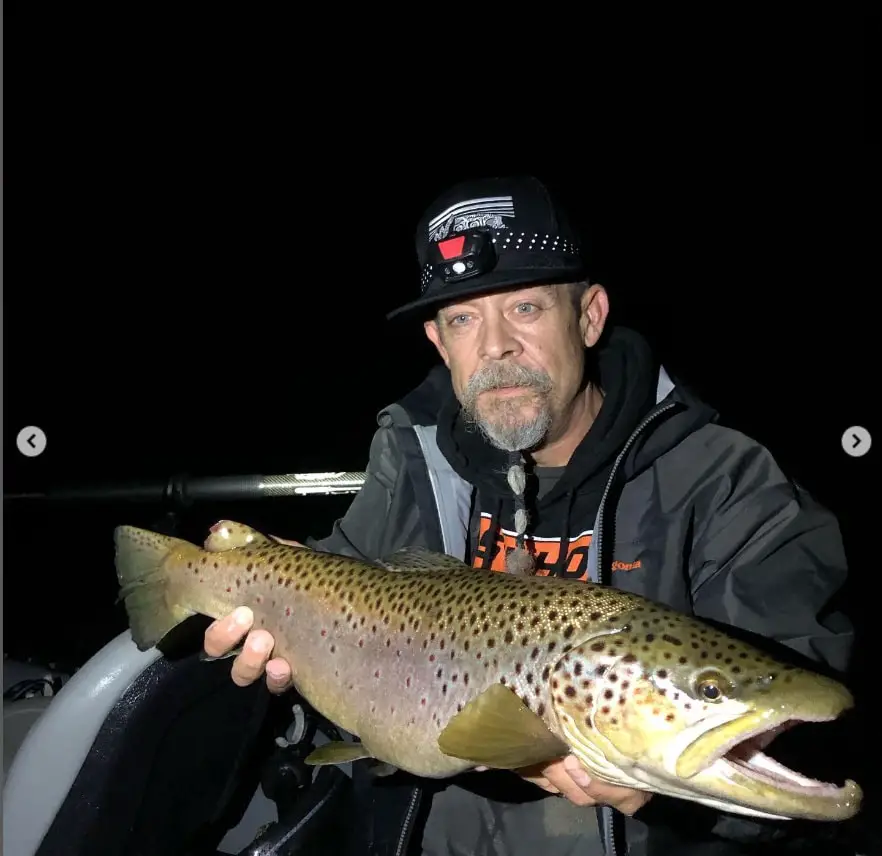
x,y
562,502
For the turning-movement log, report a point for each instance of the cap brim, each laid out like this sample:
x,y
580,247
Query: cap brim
x,y
497,280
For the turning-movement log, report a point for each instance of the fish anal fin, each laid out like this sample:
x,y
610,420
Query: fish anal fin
x,y
336,752
497,730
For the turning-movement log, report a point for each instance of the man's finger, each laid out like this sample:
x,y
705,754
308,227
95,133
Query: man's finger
x,y
278,675
626,800
226,633
559,778
542,782
250,664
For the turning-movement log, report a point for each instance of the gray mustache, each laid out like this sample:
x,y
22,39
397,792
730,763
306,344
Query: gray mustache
x,y
497,376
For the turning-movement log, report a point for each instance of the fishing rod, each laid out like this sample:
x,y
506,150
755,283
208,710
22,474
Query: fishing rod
x,y
184,490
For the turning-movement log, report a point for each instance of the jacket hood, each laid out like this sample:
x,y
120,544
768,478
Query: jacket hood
x,y
631,380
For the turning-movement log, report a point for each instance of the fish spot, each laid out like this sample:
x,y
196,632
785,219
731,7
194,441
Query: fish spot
x,y
608,693
570,690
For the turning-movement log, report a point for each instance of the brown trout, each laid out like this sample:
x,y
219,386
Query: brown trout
x,y
438,668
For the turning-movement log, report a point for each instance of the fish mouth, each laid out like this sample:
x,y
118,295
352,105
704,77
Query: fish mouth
x,y
743,761
748,757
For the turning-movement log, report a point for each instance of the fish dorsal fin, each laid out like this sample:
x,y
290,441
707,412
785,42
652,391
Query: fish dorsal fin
x,y
420,559
498,730
231,535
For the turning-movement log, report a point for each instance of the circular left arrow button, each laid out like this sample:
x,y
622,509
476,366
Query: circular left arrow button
x,y
31,441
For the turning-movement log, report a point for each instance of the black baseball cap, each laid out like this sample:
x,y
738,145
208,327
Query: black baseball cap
x,y
492,233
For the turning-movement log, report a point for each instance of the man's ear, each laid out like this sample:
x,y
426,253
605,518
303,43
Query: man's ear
x,y
593,315
433,332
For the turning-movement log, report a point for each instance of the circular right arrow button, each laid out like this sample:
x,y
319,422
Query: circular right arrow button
x,y
856,441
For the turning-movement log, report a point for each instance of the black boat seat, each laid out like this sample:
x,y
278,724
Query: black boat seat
x,y
142,755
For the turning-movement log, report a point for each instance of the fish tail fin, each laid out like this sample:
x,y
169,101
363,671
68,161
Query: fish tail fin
x,y
144,577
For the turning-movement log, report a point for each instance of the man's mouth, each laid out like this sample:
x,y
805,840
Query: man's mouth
x,y
510,390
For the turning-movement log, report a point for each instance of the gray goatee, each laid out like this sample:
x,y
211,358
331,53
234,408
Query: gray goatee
x,y
506,427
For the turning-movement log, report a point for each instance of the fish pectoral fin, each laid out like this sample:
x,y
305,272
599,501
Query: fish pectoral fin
x,y
420,559
498,730
336,752
205,658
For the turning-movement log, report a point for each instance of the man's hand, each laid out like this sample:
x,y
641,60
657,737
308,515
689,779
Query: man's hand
x,y
226,633
570,779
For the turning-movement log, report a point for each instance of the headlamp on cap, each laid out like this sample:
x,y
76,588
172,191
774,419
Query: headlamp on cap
x,y
463,256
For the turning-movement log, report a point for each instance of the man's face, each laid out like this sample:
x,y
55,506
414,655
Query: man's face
x,y
516,359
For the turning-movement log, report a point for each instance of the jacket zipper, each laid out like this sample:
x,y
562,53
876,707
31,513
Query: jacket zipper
x,y
608,813
405,828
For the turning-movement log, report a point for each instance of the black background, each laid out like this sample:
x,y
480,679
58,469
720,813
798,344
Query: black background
x,y
202,241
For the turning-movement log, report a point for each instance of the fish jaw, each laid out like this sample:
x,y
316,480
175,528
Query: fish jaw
x,y
758,785
631,728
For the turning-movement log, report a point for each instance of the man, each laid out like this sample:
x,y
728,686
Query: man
x,y
549,443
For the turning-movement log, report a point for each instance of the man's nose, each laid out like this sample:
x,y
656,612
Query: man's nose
x,y
498,339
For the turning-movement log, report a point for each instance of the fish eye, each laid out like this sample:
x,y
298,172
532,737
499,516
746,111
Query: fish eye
x,y
712,686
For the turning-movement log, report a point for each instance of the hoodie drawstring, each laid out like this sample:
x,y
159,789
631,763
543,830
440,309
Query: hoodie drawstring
x,y
519,560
